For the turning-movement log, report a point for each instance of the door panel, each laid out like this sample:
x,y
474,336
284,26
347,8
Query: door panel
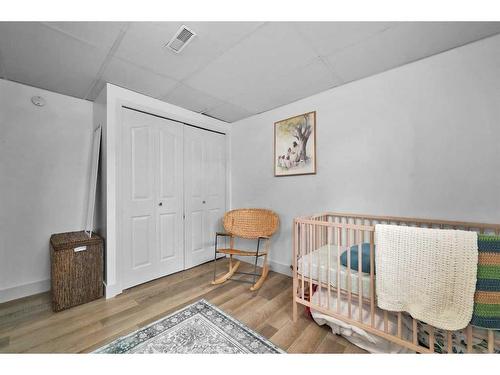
x,y
142,162
141,248
152,197
204,186
167,241
170,197
195,166
216,186
193,177
138,202
170,162
196,230
213,225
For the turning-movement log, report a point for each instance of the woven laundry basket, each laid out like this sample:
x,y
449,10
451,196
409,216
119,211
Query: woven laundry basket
x,y
76,269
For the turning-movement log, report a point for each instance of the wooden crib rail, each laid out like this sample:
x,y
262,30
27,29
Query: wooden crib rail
x,y
404,220
341,292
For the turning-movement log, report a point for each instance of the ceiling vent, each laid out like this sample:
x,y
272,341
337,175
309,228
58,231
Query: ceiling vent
x,y
181,39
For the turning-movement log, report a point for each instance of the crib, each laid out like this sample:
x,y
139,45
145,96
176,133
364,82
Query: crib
x,y
348,296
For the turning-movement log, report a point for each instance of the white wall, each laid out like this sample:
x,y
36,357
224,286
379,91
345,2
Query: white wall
x,y
421,140
44,171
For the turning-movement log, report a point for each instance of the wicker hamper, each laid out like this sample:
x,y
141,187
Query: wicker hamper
x,y
76,269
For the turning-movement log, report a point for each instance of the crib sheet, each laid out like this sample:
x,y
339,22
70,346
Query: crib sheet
x,y
321,254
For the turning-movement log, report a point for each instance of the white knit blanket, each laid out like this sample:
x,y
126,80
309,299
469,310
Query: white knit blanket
x,y
430,273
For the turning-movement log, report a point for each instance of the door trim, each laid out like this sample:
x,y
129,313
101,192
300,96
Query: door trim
x,y
171,119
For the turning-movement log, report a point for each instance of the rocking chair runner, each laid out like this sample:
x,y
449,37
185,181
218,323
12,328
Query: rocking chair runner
x,y
249,223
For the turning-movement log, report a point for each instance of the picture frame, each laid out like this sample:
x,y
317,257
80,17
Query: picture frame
x,y
295,145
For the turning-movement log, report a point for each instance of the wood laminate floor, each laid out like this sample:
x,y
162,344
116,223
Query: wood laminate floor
x,y
29,325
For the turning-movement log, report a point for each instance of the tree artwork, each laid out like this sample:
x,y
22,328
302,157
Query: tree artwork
x,y
295,145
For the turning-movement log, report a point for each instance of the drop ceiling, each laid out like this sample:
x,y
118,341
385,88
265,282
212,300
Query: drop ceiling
x,y
231,70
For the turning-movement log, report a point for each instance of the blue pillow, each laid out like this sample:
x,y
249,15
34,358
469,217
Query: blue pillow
x,y
365,257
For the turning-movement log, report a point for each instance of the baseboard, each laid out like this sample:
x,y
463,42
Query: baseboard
x,y
273,265
280,267
115,289
37,287
24,290
111,291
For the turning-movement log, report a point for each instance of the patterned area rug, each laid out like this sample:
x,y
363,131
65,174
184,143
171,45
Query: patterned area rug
x,y
197,328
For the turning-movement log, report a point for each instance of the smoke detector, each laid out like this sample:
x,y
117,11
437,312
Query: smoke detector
x,y
181,39
38,101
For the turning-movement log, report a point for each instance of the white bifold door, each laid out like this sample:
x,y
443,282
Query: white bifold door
x,y
204,192
161,183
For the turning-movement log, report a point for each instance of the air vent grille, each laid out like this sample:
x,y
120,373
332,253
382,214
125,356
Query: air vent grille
x,y
181,39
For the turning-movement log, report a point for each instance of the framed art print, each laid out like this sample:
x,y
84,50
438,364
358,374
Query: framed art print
x,y
295,145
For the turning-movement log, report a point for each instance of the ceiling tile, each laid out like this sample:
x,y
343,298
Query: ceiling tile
x,y
99,34
192,99
257,100
37,55
135,78
220,35
285,88
144,45
273,49
329,37
228,112
404,43
309,80
230,69
96,89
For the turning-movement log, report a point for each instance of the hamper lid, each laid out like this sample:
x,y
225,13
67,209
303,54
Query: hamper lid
x,y
71,239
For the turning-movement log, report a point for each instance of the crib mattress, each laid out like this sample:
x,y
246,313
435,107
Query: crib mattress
x,y
308,267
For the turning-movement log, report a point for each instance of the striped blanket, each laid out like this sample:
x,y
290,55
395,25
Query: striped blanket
x,y
487,297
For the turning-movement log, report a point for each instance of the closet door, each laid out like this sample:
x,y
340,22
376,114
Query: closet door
x,y
215,190
170,223
204,189
152,199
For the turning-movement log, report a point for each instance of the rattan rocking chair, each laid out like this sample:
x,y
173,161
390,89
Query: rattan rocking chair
x,y
248,223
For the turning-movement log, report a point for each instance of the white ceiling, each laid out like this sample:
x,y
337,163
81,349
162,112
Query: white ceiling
x,y
230,70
